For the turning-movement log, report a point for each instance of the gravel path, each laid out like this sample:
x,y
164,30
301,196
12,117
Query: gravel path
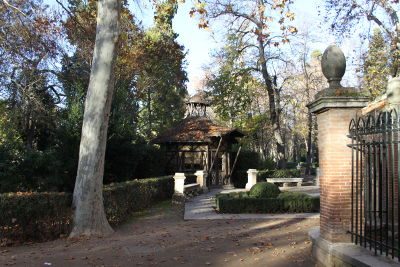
x,y
160,237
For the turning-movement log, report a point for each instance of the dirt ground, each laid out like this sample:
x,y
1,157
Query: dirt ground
x,y
160,237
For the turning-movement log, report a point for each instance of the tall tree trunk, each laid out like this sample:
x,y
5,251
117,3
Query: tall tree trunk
x,y
273,112
89,215
29,129
150,126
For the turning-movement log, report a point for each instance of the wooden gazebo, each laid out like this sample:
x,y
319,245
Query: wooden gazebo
x,y
198,143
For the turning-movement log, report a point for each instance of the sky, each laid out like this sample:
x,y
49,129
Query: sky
x,y
199,43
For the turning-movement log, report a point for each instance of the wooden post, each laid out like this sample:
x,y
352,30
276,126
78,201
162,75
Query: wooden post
x,y
234,163
216,154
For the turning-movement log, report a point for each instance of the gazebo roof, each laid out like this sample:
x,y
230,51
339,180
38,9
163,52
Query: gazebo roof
x,y
199,98
195,130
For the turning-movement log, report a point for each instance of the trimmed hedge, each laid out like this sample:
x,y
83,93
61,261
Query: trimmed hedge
x,y
298,202
34,216
264,190
45,216
122,199
286,202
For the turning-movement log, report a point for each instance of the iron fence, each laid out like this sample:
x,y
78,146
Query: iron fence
x,y
375,178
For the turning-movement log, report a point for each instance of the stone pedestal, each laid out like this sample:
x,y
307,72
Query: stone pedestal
x,y
179,196
201,180
333,118
251,178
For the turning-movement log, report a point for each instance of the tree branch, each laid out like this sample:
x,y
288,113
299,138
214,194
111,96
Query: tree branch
x,y
6,3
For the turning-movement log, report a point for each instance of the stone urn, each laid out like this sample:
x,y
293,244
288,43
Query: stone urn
x,y
393,91
333,65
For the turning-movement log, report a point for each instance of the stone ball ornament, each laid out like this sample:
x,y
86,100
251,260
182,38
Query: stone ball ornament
x,y
333,65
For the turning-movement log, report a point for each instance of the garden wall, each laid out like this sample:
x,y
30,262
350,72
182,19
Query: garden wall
x,y
48,215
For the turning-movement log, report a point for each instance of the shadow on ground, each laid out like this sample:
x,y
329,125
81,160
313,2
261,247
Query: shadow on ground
x,y
160,237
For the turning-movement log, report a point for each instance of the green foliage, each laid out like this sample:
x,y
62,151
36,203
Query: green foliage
x,y
285,202
283,173
264,190
161,83
232,85
190,178
122,199
34,216
125,160
299,202
262,175
45,216
376,65
248,160
232,204
267,164
33,170
55,169
239,178
42,111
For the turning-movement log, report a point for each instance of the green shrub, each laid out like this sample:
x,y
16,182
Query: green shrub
x,y
125,160
239,178
34,216
247,160
283,173
233,195
226,204
54,169
298,202
262,175
291,165
264,190
267,164
45,216
122,199
190,178
285,202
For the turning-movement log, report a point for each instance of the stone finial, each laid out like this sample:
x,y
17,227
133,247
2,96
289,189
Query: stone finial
x,y
333,65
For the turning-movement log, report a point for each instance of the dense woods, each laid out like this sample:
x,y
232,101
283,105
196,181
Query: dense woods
x,y
260,81
45,65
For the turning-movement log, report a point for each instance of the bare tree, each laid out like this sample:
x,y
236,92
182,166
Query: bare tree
x,y
256,23
345,15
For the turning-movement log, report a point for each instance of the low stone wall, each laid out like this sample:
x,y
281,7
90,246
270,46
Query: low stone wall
x,y
329,254
183,192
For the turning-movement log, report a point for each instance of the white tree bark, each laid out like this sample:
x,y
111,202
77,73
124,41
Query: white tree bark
x,y
89,215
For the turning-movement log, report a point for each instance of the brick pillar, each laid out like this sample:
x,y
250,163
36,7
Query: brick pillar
x,y
334,110
334,107
335,172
